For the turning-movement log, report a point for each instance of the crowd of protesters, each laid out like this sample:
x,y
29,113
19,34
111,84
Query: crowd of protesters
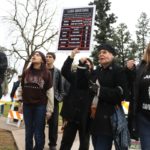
x,y
92,100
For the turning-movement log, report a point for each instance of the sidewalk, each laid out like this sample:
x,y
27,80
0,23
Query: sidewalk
x,y
19,136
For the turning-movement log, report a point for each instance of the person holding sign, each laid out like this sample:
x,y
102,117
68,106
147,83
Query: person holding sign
x,y
76,114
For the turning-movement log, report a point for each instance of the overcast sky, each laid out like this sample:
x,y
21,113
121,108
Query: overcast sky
x,y
60,4
127,11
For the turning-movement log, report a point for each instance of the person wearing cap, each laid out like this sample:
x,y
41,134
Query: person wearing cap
x,y
77,102
109,85
36,93
58,97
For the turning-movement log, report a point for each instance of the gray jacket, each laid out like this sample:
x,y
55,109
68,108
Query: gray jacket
x,y
57,84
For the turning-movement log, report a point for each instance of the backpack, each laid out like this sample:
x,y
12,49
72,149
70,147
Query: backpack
x,y
3,65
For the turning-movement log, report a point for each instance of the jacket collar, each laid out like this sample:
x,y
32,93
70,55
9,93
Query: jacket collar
x,y
110,67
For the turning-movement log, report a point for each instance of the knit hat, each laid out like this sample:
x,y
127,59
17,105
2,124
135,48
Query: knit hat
x,y
42,56
107,47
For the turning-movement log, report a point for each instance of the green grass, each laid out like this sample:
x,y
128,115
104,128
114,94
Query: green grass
x,y
6,109
7,106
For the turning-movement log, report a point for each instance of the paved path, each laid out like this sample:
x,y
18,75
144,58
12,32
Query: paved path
x,y
19,136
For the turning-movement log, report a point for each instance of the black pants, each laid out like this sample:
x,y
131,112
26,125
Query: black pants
x,y
53,126
69,135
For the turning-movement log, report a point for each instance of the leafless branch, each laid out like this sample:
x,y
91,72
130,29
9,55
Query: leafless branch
x,y
46,40
31,23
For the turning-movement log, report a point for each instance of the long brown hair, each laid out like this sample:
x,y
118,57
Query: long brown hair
x,y
43,72
146,56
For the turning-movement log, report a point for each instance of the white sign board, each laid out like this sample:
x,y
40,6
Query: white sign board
x,y
76,29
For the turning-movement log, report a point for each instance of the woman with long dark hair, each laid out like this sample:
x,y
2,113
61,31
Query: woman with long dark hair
x,y
141,103
37,97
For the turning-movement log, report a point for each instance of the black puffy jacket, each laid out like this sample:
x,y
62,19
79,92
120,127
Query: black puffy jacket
x,y
77,101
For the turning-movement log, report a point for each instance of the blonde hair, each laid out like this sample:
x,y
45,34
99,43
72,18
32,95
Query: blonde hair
x,y
146,56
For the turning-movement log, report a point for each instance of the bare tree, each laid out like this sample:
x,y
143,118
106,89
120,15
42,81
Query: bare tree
x,y
32,27
142,33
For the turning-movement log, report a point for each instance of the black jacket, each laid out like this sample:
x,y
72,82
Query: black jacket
x,y
77,101
3,65
139,72
14,88
134,77
131,76
113,89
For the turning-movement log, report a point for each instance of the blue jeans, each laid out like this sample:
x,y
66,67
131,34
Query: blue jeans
x,y
144,131
102,142
34,117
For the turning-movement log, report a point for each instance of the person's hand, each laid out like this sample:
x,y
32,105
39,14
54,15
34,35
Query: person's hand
x,y
20,108
83,60
93,111
48,115
64,124
130,64
74,52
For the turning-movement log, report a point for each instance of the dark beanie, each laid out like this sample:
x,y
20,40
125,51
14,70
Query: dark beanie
x,y
107,47
42,56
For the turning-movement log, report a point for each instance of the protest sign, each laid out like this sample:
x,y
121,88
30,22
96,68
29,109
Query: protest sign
x,y
76,28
